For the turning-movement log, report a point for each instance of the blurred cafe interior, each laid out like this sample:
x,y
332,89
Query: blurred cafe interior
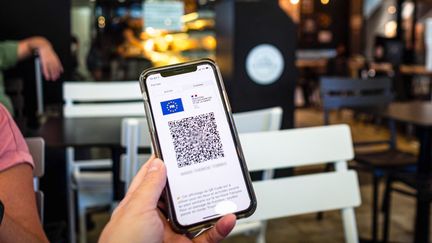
x,y
348,77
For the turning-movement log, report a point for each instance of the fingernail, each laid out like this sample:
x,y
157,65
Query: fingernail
x,y
155,165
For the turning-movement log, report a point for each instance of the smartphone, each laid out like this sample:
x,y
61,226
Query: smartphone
x,y
193,132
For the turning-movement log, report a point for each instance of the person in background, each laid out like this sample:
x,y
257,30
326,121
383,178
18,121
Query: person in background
x,y
138,219
13,51
338,66
74,51
20,221
98,58
130,44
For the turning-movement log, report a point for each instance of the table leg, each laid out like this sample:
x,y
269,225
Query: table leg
x,y
422,218
423,169
118,186
425,154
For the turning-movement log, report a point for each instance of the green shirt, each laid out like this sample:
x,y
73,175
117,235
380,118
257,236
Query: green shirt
x,y
8,58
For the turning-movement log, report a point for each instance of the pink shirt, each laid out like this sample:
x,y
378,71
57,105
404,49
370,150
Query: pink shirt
x,y
13,148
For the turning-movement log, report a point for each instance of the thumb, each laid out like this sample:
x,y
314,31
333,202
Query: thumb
x,y
153,183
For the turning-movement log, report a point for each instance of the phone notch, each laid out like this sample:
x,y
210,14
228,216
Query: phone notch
x,y
177,71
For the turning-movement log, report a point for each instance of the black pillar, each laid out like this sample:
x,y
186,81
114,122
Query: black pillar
x,y
256,55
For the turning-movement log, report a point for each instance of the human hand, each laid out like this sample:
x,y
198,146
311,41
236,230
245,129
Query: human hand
x,y
50,62
137,218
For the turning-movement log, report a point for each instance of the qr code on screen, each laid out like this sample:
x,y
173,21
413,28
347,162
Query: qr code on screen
x,y
196,139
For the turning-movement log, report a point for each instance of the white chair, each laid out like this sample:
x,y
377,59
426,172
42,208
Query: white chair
x,y
135,134
37,151
302,194
94,99
102,99
268,119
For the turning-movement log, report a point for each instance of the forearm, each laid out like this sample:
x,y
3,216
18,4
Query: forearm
x,y
21,221
11,231
50,62
27,46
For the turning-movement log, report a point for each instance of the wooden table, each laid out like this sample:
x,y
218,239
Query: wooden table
x,y
418,114
414,70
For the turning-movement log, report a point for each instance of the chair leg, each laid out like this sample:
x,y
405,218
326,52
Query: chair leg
x,y
386,209
71,216
350,226
82,226
375,189
70,195
261,237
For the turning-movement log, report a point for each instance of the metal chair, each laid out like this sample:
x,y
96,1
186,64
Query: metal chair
x,y
368,95
37,151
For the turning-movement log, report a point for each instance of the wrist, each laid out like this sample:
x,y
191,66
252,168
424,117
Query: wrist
x,y
37,44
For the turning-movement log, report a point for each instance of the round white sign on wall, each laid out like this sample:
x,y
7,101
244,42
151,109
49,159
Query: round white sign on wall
x,y
264,64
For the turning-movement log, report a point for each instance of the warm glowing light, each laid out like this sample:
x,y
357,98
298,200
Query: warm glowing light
x,y
189,17
149,45
391,9
169,38
152,32
294,1
390,29
101,22
325,2
407,10
209,43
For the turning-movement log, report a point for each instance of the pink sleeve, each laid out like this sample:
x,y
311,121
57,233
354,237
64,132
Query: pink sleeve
x,y
13,148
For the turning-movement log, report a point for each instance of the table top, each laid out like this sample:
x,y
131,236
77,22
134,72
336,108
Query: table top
x,y
77,132
414,70
313,63
418,113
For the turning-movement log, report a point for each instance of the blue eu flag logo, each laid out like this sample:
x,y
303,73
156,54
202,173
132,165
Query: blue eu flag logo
x,y
172,106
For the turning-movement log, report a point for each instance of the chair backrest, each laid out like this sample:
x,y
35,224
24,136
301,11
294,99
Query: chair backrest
x,y
135,134
301,194
338,92
269,119
37,151
102,99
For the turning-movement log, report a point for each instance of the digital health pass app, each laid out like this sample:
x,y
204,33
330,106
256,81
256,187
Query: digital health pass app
x,y
204,172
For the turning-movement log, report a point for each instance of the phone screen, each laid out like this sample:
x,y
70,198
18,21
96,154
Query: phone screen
x,y
205,175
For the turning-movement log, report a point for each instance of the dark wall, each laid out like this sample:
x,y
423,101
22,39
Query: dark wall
x,y
332,17
49,18
240,27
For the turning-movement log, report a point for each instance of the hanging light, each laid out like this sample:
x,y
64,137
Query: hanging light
x,y
391,9
294,2
325,2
